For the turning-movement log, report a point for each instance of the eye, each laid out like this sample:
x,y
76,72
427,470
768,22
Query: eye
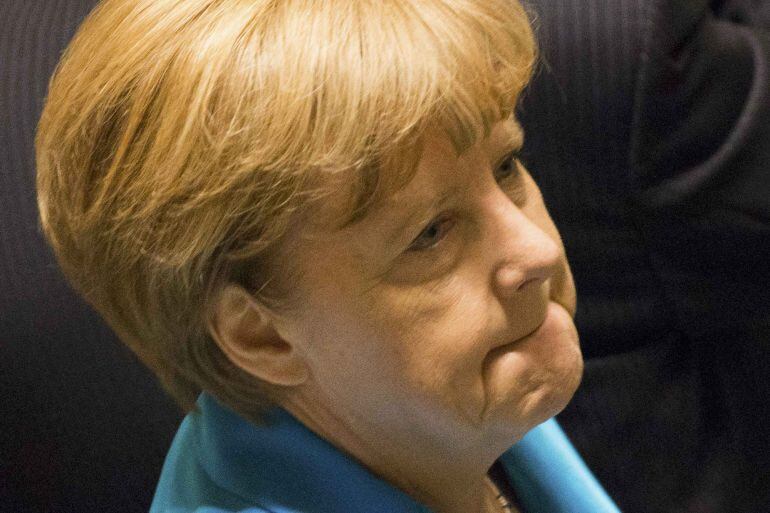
x,y
432,234
509,178
509,166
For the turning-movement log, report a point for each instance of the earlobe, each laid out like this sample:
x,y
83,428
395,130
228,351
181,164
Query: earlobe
x,y
245,334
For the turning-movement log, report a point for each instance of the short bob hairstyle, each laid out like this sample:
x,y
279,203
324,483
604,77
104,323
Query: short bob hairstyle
x,y
180,138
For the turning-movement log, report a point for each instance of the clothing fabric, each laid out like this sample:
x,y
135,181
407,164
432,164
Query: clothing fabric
x,y
219,463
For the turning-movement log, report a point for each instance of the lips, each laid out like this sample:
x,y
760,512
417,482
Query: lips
x,y
549,322
531,332
509,345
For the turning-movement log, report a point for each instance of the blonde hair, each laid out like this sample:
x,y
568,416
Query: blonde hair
x,y
180,137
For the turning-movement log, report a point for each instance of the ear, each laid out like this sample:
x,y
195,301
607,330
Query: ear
x,y
245,334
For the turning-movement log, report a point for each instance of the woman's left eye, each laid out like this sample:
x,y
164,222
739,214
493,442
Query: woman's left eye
x,y
508,167
509,177
432,234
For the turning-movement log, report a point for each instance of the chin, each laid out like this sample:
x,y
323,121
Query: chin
x,y
551,399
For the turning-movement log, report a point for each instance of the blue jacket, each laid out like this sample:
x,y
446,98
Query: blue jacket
x,y
221,463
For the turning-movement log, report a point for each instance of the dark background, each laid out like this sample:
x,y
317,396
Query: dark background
x,y
83,426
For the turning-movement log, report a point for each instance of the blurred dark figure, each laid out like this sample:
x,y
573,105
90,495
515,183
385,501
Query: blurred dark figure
x,y
83,426
648,130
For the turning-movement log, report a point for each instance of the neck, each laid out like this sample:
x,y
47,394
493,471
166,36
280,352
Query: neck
x,y
448,474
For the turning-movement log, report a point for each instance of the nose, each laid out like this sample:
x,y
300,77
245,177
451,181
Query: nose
x,y
525,254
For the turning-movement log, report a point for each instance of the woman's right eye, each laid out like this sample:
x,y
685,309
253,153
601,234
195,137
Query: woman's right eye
x,y
433,234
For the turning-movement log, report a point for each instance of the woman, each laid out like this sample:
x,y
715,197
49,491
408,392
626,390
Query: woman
x,y
312,215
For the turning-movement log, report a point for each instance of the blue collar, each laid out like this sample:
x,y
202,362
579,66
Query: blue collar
x,y
221,460
286,467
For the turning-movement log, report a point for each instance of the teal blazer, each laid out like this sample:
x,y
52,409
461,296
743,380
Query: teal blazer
x,y
221,463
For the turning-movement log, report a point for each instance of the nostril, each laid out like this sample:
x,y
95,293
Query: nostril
x,y
511,280
536,281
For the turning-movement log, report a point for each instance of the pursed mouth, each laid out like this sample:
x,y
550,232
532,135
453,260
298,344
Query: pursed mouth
x,y
506,345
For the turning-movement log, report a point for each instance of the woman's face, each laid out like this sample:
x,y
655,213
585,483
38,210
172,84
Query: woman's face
x,y
448,307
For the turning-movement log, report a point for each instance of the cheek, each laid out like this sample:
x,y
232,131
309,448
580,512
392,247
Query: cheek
x,y
437,340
